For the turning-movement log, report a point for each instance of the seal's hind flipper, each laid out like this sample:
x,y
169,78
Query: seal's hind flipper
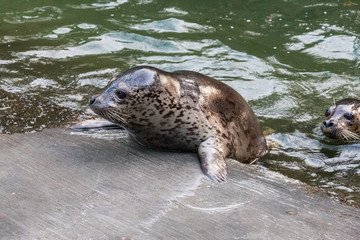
x,y
212,160
98,123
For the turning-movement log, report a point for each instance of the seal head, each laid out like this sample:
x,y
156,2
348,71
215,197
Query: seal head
x,y
184,111
342,120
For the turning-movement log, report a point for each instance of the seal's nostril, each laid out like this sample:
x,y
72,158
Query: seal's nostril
x,y
328,124
92,100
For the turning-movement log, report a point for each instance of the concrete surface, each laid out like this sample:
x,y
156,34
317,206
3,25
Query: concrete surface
x,y
60,185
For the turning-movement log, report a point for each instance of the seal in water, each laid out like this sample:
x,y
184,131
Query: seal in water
x,y
184,111
342,120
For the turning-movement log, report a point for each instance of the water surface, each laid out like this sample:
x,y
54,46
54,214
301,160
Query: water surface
x,y
289,59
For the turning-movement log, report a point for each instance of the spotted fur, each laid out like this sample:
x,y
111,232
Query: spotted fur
x,y
185,111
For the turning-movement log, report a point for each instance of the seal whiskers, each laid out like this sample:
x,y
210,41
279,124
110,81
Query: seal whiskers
x,y
348,135
342,120
110,115
115,116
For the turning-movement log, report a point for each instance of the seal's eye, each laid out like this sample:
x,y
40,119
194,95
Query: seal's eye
x,y
349,116
120,94
327,112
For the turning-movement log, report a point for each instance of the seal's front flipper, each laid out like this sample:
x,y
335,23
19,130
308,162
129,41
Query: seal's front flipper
x,y
98,123
212,160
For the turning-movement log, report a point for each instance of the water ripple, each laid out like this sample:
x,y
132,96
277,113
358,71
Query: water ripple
x,y
174,11
172,25
323,44
335,47
101,5
112,42
38,14
316,160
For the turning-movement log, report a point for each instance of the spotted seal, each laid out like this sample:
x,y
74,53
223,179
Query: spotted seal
x,y
186,111
342,120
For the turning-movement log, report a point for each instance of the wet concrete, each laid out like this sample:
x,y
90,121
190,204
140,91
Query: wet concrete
x,y
21,112
58,184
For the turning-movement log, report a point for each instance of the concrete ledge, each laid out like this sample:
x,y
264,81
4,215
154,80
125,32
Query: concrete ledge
x,y
58,185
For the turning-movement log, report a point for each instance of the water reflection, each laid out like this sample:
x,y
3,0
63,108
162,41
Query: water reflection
x,y
321,43
171,25
101,5
38,14
109,43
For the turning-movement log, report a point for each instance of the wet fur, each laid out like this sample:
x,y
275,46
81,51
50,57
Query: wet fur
x,y
182,110
343,129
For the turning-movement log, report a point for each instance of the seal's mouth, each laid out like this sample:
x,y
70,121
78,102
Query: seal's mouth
x,y
339,133
109,113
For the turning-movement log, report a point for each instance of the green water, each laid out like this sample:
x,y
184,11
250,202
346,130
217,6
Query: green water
x,y
289,59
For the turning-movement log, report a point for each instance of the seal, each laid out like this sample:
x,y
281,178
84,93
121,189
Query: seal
x,y
185,111
89,124
342,120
